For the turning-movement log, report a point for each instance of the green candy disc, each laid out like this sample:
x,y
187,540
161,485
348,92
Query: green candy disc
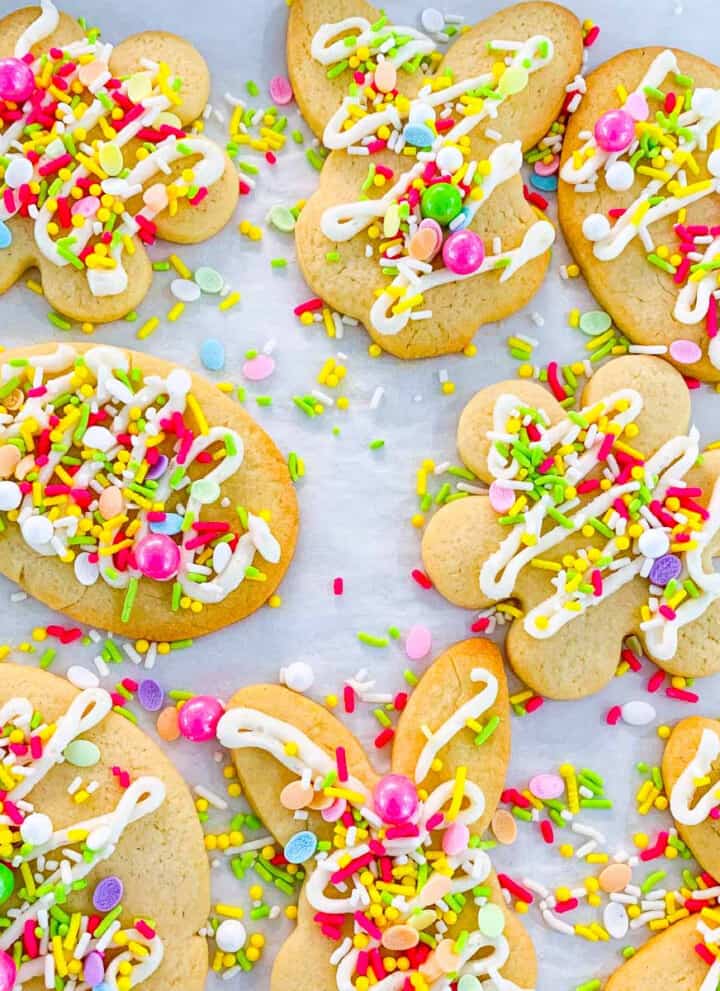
x,y
82,753
491,920
209,280
595,322
282,218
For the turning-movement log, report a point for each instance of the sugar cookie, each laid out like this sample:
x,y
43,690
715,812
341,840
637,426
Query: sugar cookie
x,y
136,496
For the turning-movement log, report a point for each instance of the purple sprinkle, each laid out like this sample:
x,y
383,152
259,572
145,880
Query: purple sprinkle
x,y
664,569
93,969
158,469
150,695
108,894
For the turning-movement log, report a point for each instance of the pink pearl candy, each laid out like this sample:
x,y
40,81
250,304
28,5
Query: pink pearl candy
x,y
615,130
17,81
463,252
8,972
396,799
199,717
157,556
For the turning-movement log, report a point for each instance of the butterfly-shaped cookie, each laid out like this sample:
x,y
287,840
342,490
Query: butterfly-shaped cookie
x,y
91,880
599,523
398,893
97,160
638,201
419,228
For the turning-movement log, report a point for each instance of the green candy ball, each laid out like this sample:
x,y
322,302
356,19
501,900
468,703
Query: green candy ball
x,y
7,883
441,202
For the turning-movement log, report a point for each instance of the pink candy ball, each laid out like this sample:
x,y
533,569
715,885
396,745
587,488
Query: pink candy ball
x,y
396,799
463,252
17,81
157,556
615,130
199,717
8,972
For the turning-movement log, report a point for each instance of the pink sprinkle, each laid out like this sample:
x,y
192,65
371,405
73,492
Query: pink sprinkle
x,y
591,37
309,306
715,813
341,761
712,319
515,889
144,929
338,586
656,681
681,695
613,715
533,704
368,925
349,699
667,612
435,821
597,582
546,465
383,738
553,377
589,485
606,447
480,625
566,906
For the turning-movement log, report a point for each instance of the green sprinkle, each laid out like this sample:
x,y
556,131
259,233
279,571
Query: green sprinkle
x,y
47,658
129,602
315,158
372,641
592,985
652,880
252,87
278,263
332,256
161,266
263,400
596,803
57,321
487,731
337,70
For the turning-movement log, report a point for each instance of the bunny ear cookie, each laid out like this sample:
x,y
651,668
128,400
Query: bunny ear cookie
x,y
420,228
637,201
157,506
126,861
690,772
367,906
599,523
82,203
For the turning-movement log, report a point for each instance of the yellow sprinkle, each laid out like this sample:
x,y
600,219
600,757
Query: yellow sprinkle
x,y
347,793
232,300
194,407
538,562
34,286
176,312
148,328
458,793
229,911
639,213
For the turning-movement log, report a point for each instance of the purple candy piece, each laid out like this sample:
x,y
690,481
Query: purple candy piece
x,y
664,569
150,695
158,469
93,969
108,894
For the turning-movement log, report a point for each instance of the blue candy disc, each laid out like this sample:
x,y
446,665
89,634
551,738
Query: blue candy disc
x,y
548,183
5,235
171,525
300,847
418,135
212,354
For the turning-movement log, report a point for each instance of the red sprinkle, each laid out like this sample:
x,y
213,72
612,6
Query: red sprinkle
x,y
338,586
533,704
515,889
681,695
656,681
421,578
384,737
554,382
349,699
480,625
591,37
548,833
613,715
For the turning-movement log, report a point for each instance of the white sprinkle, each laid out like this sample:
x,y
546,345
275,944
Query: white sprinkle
x,y
18,596
81,677
377,397
102,669
211,797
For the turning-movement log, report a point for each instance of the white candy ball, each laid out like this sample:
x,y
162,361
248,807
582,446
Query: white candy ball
x,y
18,172
713,162
230,936
595,227
37,829
637,713
10,495
620,176
37,530
298,676
420,112
653,543
449,159
178,381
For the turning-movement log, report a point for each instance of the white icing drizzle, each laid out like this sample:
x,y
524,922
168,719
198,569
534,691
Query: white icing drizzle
x,y
245,728
691,305
328,52
336,135
105,281
500,572
684,788
457,722
103,361
142,798
42,27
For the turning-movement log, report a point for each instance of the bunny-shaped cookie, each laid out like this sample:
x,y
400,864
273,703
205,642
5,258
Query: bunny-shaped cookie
x,y
601,523
107,165
105,883
420,228
399,885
